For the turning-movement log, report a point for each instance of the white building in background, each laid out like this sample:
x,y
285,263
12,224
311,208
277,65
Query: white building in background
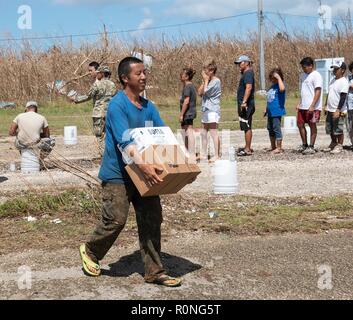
x,y
323,66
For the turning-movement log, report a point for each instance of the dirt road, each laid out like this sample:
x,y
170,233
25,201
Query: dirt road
x,y
213,266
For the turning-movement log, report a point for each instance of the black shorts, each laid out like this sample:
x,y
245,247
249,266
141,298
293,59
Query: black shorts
x,y
187,122
245,117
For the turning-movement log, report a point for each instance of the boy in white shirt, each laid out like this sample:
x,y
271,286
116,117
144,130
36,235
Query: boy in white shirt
x,y
310,105
336,107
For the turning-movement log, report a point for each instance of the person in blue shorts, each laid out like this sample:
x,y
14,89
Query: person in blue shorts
x,y
276,99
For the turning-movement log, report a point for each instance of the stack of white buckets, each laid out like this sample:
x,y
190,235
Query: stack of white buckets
x,y
225,175
29,159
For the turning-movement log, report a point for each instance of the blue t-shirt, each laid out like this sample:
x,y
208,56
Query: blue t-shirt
x,y
276,102
123,115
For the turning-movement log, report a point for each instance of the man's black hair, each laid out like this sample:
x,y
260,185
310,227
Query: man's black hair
x,y
307,62
350,67
94,64
124,67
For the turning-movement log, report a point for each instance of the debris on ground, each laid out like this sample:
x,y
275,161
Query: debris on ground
x,y
30,219
213,214
56,221
7,105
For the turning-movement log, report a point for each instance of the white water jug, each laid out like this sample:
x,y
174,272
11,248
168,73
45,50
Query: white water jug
x,y
70,135
225,177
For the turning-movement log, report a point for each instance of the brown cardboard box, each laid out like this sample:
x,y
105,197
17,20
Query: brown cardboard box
x,y
177,173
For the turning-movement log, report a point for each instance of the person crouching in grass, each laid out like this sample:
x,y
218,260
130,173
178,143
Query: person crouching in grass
x,y
276,98
188,109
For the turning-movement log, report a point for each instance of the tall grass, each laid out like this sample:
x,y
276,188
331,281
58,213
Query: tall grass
x,y
25,70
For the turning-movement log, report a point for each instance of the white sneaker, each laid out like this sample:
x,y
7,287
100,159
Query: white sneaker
x,y
309,150
337,149
301,148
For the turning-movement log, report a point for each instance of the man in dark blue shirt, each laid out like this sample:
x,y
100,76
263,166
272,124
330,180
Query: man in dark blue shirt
x,y
246,101
128,110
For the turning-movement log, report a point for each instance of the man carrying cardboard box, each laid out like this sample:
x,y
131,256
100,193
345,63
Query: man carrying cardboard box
x,y
128,110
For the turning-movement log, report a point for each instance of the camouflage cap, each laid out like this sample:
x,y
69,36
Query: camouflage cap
x,y
103,69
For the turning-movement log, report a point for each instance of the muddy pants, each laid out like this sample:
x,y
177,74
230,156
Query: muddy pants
x,y
116,202
43,147
99,132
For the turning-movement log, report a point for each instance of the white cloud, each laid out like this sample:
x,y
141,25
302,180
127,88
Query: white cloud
x,y
145,23
220,8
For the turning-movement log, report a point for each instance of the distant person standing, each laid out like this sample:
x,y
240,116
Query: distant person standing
x,y
276,99
188,108
246,101
101,92
310,105
211,92
349,118
336,107
92,69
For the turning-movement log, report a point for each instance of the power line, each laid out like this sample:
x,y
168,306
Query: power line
x,y
131,30
304,16
170,26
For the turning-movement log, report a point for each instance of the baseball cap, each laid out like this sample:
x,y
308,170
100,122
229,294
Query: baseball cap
x,y
339,64
242,58
31,104
104,69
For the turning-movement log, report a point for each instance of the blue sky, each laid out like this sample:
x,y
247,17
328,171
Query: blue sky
x,y
64,17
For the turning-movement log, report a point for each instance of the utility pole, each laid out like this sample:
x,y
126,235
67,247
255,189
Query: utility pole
x,y
261,18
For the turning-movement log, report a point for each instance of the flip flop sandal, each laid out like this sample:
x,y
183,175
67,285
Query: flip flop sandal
x,y
167,281
243,153
89,266
242,149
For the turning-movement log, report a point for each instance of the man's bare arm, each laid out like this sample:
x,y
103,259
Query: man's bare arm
x,y
46,133
13,129
317,97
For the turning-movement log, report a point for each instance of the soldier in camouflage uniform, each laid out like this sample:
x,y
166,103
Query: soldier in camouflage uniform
x,y
101,92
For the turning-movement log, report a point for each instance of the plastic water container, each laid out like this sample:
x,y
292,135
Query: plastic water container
x,y
70,135
225,177
29,161
290,125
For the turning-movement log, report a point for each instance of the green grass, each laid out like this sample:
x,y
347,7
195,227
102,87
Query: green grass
x,y
258,214
292,217
38,204
80,212
60,114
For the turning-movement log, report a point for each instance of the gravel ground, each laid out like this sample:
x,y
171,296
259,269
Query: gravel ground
x,y
289,174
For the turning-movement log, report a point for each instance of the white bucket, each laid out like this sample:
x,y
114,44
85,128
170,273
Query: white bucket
x,y
225,177
70,135
29,161
290,125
